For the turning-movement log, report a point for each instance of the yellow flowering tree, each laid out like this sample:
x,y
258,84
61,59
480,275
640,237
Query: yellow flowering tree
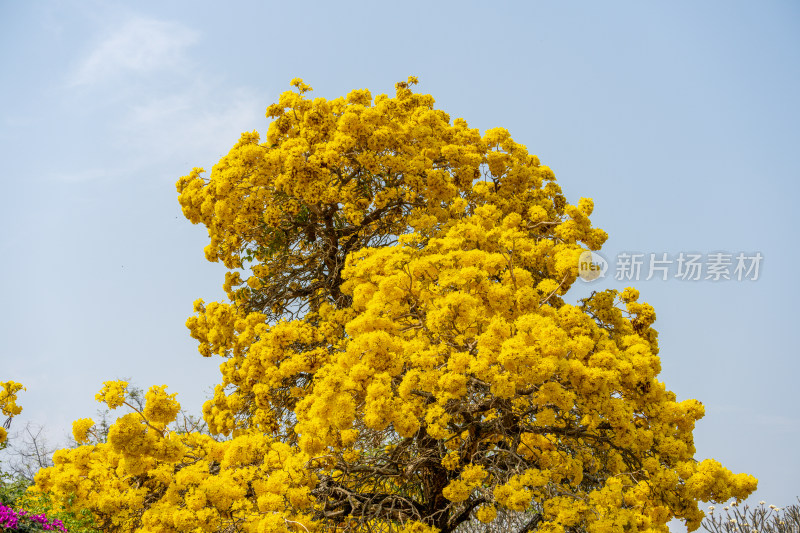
x,y
8,405
397,352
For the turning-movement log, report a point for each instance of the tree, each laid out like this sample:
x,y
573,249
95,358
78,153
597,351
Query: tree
x,y
398,355
11,484
19,510
8,406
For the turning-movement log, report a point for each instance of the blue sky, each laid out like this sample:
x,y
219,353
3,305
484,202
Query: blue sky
x,y
680,119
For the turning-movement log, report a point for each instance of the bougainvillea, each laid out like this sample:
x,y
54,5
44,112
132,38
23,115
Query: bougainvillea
x,y
13,521
397,351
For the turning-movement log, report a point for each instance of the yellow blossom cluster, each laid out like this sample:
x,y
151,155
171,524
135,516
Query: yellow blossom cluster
x,y
81,429
8,404
398,354
112,393
149,476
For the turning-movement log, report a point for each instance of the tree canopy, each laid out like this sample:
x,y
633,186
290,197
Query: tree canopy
x,y
397,353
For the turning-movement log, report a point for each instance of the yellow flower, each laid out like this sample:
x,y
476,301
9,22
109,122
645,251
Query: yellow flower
x,y
160,407
80,430
486,513
8,398
112,393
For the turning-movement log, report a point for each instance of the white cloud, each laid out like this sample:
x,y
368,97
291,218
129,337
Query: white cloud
x,y
153,103
195,126
140,46
191,127
81,176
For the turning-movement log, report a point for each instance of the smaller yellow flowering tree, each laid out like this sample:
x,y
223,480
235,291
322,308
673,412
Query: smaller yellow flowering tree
x,y
158,471
11,486
8,405
21,510
397,351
